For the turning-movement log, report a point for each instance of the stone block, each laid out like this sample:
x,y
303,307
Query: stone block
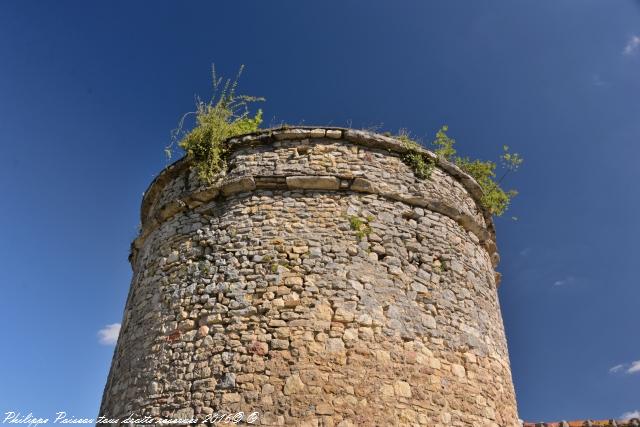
x,y
293,385
238,185
313,182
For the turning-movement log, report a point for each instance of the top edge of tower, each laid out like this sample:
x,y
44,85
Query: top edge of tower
x,y
309,134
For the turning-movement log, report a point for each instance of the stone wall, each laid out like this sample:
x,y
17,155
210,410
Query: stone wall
x,y
262,291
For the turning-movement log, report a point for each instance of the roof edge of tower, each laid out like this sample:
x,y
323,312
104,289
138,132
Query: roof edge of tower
x,y
355,136
360,137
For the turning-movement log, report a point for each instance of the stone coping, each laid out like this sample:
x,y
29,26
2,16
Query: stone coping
x,y
299,133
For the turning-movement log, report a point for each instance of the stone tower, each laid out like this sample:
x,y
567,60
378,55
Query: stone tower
x,y
319,283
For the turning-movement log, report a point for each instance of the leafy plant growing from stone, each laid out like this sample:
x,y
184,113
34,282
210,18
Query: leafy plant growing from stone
x,y
494,198
422,165
360,226
225,115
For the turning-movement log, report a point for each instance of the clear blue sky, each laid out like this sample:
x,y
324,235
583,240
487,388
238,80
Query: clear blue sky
x,y
89,92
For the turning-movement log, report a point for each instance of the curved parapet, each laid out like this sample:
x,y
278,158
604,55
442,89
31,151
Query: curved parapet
x,y
358,161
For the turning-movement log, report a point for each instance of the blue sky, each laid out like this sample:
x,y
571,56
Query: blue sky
x,y
89,92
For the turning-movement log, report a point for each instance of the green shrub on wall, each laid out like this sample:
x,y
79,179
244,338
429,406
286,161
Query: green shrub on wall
x,y
224,116
495,199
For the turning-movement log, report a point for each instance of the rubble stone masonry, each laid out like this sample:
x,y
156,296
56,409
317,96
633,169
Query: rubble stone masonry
x,y
317,282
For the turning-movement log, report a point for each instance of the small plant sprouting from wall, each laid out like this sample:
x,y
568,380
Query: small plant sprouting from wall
x,y
224,116
360,225
495,198
422,165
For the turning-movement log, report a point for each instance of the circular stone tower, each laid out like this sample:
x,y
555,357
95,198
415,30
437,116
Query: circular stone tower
x,y
317,282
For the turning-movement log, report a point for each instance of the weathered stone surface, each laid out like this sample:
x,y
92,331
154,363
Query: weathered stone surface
x,y
458,370
264,298
336,134
402,389
361,184
293,385
238,185
313,182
